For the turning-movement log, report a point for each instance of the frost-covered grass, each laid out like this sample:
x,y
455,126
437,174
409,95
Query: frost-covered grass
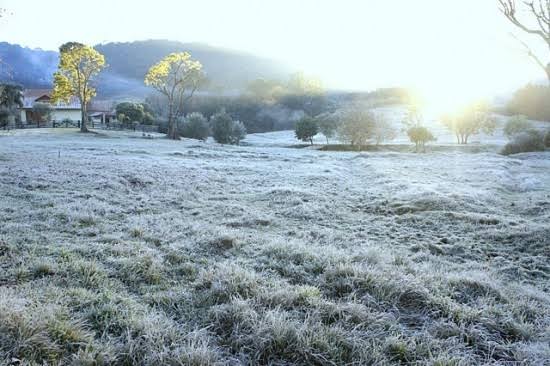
x,y
118,250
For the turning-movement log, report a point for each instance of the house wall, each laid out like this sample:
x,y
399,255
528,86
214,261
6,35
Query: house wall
x,y
58,115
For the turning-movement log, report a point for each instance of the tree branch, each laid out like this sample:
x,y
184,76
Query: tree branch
x,y
508,8
531,54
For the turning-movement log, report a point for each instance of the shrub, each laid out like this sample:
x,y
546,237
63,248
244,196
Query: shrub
x,y
132,111
67,121
357,126
306,128
547,139
420,135
225,130
515,125
196,127
532,101
531,140
239,132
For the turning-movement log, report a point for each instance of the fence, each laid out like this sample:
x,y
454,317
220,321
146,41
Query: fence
x,y
76,124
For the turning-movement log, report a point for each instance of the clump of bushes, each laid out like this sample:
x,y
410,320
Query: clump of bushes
x,y
225,130
196,127
531,101
530,140
516,125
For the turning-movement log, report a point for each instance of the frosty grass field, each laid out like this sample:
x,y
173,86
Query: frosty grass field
x,y
118,249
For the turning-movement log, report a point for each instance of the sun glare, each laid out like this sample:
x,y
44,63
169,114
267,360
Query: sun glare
x,y
448,96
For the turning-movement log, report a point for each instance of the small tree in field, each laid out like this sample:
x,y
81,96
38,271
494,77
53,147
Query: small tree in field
x,y
177,76
196,127
420,135
357,126
470,121
417,133
328,124
42,111
383,130
78,66
306,128
516,125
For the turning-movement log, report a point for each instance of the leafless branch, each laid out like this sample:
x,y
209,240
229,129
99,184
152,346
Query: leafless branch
x,y
531,54
509,9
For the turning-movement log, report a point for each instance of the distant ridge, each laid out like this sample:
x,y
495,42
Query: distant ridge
x,y
227,70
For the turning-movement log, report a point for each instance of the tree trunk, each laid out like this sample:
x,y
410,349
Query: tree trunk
x,y
172,131
311,141
327,139
84,117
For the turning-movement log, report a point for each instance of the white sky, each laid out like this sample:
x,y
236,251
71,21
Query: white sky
x,y
461,46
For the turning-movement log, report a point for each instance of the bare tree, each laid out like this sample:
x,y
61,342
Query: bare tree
x,y
539,10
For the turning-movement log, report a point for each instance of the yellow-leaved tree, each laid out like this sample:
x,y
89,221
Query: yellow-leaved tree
x,y
177,76
79,64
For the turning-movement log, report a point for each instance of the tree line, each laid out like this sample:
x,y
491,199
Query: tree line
x,y
359,125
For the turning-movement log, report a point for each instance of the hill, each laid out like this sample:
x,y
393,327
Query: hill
x,y
227,70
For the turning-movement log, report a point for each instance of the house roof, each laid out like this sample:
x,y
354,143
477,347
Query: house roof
x,y
30,96
101,106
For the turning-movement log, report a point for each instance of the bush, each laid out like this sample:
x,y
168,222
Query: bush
x,y
532,101
225,130
531,140
515,125
420,135
547,139
196,127
357,126
132,111
306,128
239,132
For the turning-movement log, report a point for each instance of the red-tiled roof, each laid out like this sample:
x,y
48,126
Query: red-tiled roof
x,y
31,95
36,93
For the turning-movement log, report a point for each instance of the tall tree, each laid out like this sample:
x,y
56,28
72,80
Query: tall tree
x,y
11,98
177,76
79,64
539,11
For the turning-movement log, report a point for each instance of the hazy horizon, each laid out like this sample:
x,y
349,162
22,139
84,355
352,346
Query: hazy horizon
x,y
446,50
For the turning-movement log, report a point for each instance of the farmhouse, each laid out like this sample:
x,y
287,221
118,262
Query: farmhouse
x,y
101,111
60,111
